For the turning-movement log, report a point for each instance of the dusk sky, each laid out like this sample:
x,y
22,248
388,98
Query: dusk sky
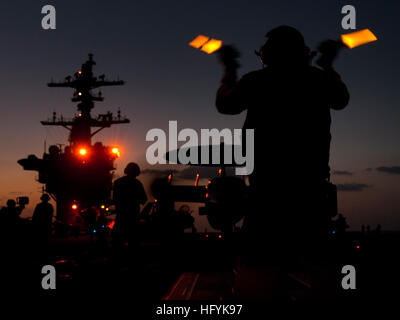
x,y
146,44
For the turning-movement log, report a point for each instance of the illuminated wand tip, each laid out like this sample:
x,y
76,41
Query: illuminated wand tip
x,y
358,38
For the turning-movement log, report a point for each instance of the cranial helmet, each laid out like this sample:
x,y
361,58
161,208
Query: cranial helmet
x,y
285,46
11,203
132,169
45,197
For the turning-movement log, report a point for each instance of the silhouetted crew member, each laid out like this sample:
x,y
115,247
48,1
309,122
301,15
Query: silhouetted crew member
x,y
10,221
128,195
42,218
11,213
288,105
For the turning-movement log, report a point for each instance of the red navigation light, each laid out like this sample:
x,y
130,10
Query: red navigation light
x,y
111,224
115,151
220,236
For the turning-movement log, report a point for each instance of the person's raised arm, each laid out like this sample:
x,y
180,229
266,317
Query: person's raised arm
x,y
229,95
337,93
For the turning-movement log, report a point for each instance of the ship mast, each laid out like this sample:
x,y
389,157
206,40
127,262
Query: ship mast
x,y
80,127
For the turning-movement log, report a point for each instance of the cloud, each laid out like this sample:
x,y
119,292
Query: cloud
x,y
390,170
352,186
342,172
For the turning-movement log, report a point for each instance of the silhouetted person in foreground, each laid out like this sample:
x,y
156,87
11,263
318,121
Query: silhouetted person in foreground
x,y
288,105
42,219
128,195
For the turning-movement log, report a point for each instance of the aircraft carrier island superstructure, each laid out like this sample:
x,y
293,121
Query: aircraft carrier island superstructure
x,y
79,175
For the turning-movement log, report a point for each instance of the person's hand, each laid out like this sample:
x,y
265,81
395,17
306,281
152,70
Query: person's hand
x,y
329,50
228,56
